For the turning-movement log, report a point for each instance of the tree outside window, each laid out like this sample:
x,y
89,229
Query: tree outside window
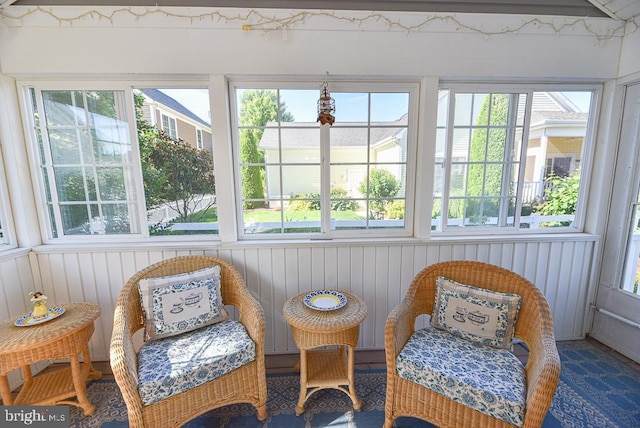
x,y
178,180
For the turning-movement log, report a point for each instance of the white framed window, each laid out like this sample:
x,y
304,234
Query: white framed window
x,y
86,161
105,170
299,178
512,157
169,126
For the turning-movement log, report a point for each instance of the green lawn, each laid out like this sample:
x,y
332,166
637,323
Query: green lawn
x,y
264,215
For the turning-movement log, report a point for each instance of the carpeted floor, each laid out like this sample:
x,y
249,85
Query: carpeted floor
x,y
595,390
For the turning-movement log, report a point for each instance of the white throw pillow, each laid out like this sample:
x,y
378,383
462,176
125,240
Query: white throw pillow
x,y
176,304
475,314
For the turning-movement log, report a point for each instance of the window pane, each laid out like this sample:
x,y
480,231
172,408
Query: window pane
x,y
75,220
118,215
68,145
300,179
559,123
111,182
389,107
298,145
301,160
381,187
71,184
485,185
178,176
301,105
631,272
351,108
64,108
89,159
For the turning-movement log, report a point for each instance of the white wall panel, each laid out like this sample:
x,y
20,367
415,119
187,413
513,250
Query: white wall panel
x,y
380,274
442,48
16,281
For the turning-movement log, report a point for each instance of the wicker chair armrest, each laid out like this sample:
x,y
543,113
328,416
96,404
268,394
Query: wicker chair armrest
x,y
124,361
543,372
251,315
398,329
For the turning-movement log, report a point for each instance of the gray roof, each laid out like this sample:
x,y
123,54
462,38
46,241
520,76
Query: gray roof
x,y
306,134
538,116
164,99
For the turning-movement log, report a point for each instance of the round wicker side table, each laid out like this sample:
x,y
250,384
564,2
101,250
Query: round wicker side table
x,y
326,368
64,337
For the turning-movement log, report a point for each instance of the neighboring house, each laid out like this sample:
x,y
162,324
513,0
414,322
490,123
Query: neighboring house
x,y
300,151
175,119
556,134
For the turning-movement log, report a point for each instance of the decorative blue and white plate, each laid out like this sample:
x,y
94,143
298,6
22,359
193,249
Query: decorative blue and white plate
x,y
28,319
325,300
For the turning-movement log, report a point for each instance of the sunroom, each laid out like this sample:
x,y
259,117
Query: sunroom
x,y
459,134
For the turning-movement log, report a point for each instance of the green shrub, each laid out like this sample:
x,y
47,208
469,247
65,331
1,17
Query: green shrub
x,y
561,198
305,202
382,186
339,201
311,201
395,210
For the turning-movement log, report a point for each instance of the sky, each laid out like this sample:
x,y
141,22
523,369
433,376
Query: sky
x,y
349,107
196,100
303,104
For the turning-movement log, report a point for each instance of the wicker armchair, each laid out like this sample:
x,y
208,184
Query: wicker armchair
x,y
246,384
534,326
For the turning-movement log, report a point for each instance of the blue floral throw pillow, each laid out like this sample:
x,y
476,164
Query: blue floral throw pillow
x,y
176,304
475,314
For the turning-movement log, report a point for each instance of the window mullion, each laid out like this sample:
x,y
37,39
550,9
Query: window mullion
x,y
508,164
325,178
446,177
48,168
523,158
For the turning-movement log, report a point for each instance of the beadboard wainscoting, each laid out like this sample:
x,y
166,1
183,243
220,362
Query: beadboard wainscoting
x,y
561,266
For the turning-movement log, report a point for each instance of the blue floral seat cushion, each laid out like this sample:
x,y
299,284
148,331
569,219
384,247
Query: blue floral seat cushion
x,y
178,363
487,379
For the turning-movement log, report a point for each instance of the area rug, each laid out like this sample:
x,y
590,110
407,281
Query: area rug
x,y
595,390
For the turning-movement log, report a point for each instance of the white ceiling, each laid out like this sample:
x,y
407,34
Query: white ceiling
x,y
617,9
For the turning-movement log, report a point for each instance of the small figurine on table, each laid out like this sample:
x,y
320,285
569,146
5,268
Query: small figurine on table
x,y
39,301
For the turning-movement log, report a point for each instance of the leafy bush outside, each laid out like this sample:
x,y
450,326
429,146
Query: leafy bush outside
x,y
382,187
561,198
311,201
395,210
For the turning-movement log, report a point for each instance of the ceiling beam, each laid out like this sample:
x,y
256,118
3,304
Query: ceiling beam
x,y
582,8
604,9
5,3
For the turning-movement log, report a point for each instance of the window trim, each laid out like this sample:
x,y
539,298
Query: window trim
x,y
413,87
171,120
586,161
7,226
128,87
138,216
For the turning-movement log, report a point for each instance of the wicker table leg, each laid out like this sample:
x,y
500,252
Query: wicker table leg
x,y
5,391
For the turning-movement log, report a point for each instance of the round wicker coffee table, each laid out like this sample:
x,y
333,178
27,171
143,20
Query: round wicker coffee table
x,y
64,337
326,368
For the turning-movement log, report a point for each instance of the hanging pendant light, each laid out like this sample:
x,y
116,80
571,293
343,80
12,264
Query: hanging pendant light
x,y
326,105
